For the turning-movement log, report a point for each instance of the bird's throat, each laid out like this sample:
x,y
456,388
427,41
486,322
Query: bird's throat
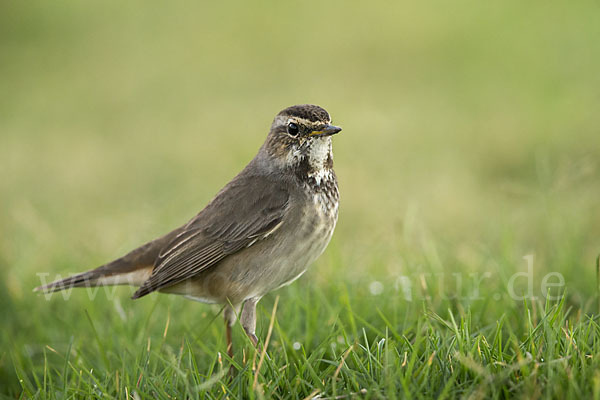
x,y
315,165
319,154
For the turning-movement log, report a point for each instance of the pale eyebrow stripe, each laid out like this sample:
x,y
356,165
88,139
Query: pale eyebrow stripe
x,y
305,121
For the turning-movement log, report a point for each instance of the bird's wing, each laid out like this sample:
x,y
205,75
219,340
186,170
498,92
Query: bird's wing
x,y
246,211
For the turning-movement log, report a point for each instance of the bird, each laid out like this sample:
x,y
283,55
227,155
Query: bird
x,y
260,232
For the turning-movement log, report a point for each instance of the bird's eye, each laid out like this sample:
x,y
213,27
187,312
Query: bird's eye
x,y
293,129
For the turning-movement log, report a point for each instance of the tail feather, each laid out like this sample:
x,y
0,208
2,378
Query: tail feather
x,y
134,268
83,279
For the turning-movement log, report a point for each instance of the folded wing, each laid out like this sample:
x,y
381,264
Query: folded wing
x,y
246,211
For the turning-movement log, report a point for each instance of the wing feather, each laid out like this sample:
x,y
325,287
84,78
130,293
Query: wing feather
x,y
247,210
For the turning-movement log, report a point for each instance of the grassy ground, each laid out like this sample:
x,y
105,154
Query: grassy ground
x,y
470,153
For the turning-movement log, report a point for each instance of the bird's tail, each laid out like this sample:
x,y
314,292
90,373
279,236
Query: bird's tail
x,y
133,269
99,277
83,279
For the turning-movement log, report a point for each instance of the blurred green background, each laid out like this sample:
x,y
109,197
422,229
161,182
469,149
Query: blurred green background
x,y
471,136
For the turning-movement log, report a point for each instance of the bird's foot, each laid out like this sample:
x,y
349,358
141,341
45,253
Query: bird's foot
x,y
253,339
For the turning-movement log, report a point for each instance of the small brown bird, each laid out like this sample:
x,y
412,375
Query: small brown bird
x,y
259,233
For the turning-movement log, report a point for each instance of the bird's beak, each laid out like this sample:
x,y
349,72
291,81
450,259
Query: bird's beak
x,y
327,131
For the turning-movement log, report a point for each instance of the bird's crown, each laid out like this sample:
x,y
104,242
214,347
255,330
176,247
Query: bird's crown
x,y
307,112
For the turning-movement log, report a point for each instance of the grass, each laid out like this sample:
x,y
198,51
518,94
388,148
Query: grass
x,y
464,260
536,349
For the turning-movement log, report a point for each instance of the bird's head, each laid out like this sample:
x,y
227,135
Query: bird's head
x,y
300,136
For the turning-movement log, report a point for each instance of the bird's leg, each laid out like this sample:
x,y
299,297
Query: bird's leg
x,y
248,319
230,317
229,342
